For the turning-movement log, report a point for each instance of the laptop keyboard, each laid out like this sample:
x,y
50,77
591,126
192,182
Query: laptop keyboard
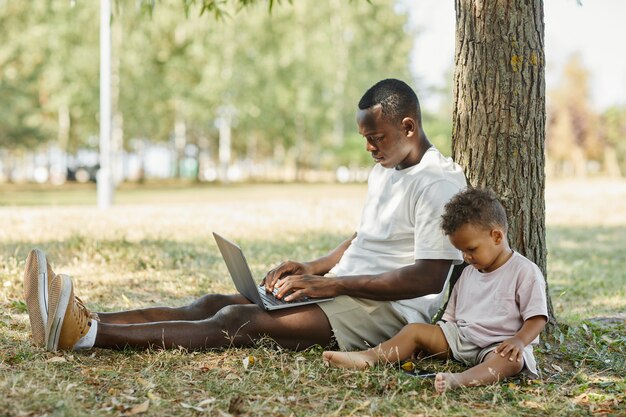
x,y
270,299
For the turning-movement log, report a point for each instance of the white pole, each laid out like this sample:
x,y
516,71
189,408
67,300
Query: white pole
x,y
223,123
105,177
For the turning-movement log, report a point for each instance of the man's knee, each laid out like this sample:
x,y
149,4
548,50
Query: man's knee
x,y
205,306
236,317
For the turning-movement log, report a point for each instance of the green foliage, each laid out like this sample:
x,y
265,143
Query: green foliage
x,y
614,132
49,56
577,135
438,127
293,75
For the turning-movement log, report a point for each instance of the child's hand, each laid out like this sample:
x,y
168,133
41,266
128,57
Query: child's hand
x,y
512,347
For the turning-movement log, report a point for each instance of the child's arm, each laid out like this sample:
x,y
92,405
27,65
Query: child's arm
x,y
516,344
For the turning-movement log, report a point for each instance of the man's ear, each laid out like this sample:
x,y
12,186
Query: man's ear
x,y
409,126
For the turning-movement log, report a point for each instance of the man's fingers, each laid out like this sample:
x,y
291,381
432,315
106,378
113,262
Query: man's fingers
x,y
268,281
274,280
295,295
273,276
283,286
289,285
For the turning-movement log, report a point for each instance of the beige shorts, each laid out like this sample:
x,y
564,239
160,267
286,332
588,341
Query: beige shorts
x,y
469,354
359,323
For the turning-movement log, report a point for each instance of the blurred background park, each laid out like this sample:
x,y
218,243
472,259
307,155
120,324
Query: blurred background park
x,y
270,96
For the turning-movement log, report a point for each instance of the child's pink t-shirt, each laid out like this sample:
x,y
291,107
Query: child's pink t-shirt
x,y
491,307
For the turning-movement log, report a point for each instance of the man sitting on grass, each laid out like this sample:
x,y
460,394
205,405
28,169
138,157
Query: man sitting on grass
x,y
495,313
392,272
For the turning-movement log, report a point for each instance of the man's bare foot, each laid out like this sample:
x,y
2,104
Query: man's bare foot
x,y
445,381
349,360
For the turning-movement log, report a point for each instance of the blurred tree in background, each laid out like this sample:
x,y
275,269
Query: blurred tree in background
x,y
613,132
49,73
291,78
580,141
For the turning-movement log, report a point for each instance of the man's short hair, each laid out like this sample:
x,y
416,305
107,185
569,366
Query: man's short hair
x,y
476,206
396,98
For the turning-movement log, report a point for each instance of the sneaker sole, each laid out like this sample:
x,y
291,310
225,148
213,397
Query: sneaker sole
x,y
37,303
58,307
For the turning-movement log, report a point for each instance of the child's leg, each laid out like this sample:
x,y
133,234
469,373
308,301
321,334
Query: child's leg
x,y
413,337
493,369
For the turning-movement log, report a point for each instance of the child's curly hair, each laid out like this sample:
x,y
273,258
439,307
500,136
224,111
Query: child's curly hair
x,y
476,206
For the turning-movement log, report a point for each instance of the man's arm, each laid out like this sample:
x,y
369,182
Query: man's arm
x,y
425,276
318,266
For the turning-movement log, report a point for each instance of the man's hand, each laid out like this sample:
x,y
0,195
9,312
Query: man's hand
x,y
285,269
514,347
295,287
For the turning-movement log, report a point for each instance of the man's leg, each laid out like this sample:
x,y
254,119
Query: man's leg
x,y
234,325
493,369
412,338
203,308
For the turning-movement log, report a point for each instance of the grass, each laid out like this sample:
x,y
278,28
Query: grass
x,y
141,253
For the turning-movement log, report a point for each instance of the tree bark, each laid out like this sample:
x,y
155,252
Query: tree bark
x,y
499,117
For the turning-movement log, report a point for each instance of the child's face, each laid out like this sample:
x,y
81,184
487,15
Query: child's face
x,y
484,249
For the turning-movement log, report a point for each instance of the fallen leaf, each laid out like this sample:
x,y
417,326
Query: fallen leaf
x,y
145,383
530,404
581,399
56,359
557,367
138,409
206,402
191,407
248,361
408,366
152,396
129,397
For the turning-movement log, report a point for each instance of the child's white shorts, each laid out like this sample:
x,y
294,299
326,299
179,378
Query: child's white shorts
x,y
469,354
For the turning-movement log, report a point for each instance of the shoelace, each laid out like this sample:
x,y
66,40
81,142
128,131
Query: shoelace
x,y
81,314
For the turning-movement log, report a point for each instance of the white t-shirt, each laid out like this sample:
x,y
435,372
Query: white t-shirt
x,y
491,307
401,223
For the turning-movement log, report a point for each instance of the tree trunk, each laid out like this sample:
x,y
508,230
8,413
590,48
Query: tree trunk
x,y
499,117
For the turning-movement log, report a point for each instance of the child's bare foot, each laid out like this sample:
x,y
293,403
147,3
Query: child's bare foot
x,y
445,381
350,360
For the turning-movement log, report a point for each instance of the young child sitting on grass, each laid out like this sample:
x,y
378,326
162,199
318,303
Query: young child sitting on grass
x,y
495,313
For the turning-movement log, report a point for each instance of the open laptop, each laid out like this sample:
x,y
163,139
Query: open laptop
x,y
245,283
